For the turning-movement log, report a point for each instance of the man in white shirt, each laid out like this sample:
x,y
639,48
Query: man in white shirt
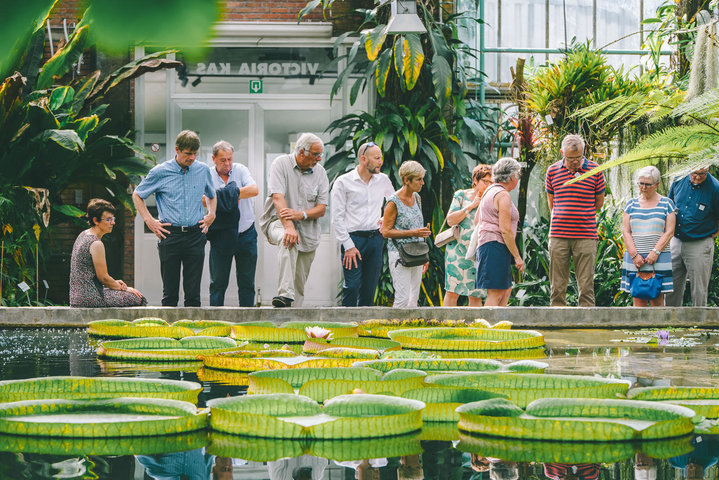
x,y
357,198
243,246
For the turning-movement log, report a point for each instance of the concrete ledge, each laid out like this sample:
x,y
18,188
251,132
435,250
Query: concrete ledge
x,y
522,317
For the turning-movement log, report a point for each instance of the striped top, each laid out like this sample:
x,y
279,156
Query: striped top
x,y
582,471
648,224
573,214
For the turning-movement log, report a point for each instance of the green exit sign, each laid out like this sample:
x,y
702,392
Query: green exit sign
x,y
255,86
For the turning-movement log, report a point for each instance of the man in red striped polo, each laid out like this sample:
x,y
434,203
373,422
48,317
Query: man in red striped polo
x,y
573,229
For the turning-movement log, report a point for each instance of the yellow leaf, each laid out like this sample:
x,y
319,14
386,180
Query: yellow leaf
x,y
374,39
6,229
412,59
37,230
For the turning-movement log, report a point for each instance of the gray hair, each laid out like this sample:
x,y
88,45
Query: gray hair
x,y
573,142
411,169
305,142
222,145
649,171
505,169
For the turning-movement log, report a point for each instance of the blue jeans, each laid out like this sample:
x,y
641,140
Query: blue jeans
x,y
245,255
360,282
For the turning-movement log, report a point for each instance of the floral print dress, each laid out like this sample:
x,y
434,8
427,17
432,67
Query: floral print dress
x,y
460,272
85,288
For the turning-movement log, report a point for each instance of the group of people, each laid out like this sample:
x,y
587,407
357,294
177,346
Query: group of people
x,y
671,237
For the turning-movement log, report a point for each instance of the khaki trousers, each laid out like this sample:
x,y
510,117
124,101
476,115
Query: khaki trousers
x,y
294,265
693,259
584,252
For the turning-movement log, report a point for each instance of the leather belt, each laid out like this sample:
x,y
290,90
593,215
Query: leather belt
x,y
366,233
182,229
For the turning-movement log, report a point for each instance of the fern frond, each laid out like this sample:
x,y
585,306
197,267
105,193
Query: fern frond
x,y
705,158
704,106
675,143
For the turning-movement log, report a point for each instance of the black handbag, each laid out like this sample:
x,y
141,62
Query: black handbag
x,y
412,254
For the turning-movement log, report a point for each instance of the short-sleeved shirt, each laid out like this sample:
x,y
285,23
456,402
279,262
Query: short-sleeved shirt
x,y
243,178
648,224
178,191
302,191
697,207
574,214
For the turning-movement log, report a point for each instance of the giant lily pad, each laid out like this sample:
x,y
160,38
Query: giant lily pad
x,y
576,419
292,416
223,377
160,349
441,402
271,449
467,339
155,445
316,345
703,400
208,328
320,384
524,388
88,388
252,361
557,451
452,365
117,417
142,327
289,332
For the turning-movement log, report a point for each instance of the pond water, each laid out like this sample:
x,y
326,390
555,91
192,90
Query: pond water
x,y
674,357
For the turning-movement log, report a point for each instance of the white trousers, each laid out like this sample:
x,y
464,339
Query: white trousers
x,y
406,282
294,265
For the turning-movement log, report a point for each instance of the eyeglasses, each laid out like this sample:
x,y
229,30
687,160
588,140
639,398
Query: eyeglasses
x,y
486,180
316,154
108,219
698,174
365,147
645,185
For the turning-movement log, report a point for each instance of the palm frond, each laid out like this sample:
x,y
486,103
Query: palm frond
x,y
618,112
674,143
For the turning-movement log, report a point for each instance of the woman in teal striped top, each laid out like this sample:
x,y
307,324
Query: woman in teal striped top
x,y
647,227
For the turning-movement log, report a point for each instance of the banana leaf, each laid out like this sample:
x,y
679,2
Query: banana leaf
x,y
110,418
88,388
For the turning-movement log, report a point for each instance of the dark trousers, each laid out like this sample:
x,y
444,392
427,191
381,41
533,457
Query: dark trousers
x,y
184,251
245,254
361,282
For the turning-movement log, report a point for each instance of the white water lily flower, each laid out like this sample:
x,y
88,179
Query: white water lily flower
x,y
318,332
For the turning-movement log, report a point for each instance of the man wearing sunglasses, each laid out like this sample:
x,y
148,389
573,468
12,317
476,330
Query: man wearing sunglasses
x,y
357,198
298,191
697,199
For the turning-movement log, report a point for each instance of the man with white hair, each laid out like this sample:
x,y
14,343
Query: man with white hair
x,y
573,228
697,199
298,192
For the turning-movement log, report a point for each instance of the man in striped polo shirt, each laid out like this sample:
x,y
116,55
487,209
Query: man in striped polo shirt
x,y
573,228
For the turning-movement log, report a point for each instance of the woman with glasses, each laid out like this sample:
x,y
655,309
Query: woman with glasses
x,y
498,227
90,284
647,227
460,272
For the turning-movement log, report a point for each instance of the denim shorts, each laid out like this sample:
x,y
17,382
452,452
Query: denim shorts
x,y
494,266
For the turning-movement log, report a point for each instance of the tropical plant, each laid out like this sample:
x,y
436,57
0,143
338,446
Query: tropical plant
x,y
53,136
422,113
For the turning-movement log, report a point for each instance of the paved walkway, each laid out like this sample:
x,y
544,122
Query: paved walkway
x,y
522,317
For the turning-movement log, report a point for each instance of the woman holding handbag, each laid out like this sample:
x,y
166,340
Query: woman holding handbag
x,y
647,227
459,272
403,224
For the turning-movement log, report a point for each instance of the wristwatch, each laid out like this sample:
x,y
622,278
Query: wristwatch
x,y
304,215
656,251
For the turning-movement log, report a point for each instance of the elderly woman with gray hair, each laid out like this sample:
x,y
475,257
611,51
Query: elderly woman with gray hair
x,y
647,228
498,218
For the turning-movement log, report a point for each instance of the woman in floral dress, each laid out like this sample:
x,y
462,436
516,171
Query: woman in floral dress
x,y
460,272
90,284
